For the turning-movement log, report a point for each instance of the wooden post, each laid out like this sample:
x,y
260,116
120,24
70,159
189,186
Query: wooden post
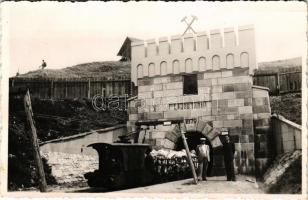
x,y
278,82
191,164
55,84
36,150
51,90
65,88
137,130
131,89
89,89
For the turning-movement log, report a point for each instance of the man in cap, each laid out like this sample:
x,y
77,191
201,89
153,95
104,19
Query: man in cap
x,y
203,154
229,151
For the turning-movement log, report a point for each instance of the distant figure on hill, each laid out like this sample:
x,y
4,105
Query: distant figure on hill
x,y
44,65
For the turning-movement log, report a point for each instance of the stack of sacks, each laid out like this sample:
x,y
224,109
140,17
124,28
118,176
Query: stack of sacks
x,y
167,153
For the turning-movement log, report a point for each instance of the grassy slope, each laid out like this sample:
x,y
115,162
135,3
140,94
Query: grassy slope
x,y
117,68
290,181
279,65
292,62
107,69
55,119
289,106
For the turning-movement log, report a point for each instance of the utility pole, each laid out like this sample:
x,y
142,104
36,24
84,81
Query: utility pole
x,y
191,164
35,145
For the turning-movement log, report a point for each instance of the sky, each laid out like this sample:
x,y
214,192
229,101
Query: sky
x,y
65,34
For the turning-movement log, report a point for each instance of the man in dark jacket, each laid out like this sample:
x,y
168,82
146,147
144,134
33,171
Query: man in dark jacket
x,y
149,166
229,150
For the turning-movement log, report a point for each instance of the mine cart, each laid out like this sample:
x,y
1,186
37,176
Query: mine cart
x,y
121,165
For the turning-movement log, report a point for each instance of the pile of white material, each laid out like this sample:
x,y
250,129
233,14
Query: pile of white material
x,y
168,153
70,168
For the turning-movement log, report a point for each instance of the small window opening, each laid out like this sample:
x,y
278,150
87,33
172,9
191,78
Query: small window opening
x,y
190,84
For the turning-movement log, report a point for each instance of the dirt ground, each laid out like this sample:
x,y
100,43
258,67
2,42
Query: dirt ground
x,y
216,184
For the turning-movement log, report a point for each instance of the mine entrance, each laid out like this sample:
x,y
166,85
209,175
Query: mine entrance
x,y
216,166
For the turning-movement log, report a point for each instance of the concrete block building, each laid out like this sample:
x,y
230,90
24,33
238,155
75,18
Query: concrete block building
x,y
206,78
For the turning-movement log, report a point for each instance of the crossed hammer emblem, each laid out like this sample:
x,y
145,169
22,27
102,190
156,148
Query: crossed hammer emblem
x,y
189,24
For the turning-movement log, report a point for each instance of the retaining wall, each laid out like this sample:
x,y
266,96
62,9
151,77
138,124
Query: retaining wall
x,y
77,144
70,158
288,135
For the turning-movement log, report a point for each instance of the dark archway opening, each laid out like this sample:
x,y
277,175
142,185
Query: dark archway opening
x,y
216,166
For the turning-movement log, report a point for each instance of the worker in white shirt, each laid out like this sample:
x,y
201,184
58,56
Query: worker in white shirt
x,y
203,154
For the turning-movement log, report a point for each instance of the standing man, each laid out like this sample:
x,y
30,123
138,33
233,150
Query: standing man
x,y
203,154
229,150
44,65
149,164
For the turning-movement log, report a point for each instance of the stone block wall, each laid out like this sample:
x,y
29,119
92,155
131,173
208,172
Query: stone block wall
x,y
224,102
225,99
262,130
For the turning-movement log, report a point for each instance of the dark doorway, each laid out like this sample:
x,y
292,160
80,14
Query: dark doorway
x,y
190,84
216,166
193,139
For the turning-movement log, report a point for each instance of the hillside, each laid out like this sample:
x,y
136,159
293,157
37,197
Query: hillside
x,y
107,69
118,69
280,66
292,62
288,105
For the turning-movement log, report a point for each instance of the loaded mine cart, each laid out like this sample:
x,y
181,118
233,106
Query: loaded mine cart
x,y
123,165
120,165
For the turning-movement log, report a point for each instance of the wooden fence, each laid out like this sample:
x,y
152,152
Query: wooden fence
x,y
280,83
71,88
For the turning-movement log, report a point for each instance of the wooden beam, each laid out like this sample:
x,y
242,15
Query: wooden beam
x,y
89,89
35,145
191,164
155,122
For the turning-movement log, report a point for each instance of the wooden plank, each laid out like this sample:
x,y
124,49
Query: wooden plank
x,y
191,164
282,82
60,88
51,90
35,145
89,89
272,84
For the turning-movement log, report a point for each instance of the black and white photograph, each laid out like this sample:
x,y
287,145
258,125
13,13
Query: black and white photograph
x,y
154,98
